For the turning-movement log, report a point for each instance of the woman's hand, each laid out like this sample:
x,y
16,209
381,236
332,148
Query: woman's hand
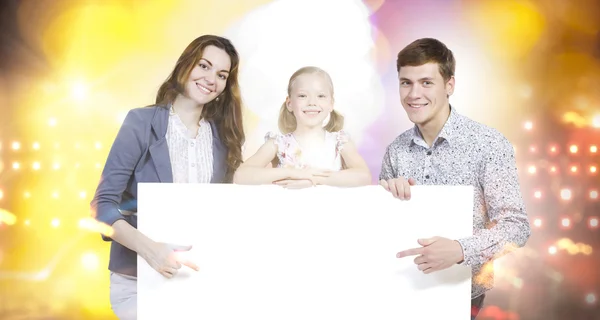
x,y
165,258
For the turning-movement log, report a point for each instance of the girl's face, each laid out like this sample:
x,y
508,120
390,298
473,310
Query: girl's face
x,y
310,100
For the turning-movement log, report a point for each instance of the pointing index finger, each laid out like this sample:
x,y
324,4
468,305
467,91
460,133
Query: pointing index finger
x,y
409,252
191,265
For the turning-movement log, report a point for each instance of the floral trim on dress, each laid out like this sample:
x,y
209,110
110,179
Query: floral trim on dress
x,y
289,152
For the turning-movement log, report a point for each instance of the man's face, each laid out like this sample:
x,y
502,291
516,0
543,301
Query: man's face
x,y
424,93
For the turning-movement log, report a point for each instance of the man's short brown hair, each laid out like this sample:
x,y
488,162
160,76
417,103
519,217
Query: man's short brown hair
x,y
427,50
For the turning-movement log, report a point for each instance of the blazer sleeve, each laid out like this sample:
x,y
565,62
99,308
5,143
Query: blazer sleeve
x,y
125,153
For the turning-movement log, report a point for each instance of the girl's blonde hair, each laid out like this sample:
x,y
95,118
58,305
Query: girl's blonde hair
x,y
287,120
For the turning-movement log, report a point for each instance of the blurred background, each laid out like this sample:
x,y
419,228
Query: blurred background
x,y
70,70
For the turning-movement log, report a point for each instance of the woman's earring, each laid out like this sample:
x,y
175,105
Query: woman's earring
x,y
217,99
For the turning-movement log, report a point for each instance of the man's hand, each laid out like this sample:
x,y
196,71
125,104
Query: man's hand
x,y
436,254
400,187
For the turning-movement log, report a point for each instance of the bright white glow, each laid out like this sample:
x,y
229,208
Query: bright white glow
x,y
90,261
79,91
596,121
528,125
537,222
590,298
565,194
121,117
573,149
552,250
280,37
55,222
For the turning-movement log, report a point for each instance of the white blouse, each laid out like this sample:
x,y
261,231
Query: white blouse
x,y
191,158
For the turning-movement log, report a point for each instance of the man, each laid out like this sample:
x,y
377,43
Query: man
x,y
446,148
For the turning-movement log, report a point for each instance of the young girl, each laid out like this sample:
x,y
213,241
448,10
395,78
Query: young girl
x,y
306,153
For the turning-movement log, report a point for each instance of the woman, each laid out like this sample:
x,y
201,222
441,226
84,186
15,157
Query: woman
x,y
193,134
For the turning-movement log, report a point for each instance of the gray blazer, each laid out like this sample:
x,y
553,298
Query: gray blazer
x,y
140,154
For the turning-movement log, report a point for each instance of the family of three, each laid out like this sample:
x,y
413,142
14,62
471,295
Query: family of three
x,y
194,134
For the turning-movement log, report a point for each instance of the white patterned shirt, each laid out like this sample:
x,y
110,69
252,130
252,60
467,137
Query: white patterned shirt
x,y
469,153
191,158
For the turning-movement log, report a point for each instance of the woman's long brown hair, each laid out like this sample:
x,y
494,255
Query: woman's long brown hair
x,y
226,112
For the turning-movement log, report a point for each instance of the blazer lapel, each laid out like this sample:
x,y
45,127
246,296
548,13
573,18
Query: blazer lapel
x,y
159,150
219,156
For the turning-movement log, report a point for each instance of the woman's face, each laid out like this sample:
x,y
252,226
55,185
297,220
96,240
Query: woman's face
x,y
208,78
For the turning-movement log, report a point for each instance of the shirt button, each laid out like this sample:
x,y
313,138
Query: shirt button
x,y
192,144
429,153
193,165
427,177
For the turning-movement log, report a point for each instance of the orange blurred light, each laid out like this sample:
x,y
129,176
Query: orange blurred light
x,y
533,149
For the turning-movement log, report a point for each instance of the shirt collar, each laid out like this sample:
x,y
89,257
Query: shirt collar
x,y
449,131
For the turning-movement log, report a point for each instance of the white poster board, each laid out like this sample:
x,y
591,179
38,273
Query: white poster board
x,y
265,252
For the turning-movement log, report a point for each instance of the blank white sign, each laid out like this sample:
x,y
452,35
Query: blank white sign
x,y
320,253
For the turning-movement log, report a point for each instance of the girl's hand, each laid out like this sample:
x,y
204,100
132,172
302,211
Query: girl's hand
x,y
295,184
